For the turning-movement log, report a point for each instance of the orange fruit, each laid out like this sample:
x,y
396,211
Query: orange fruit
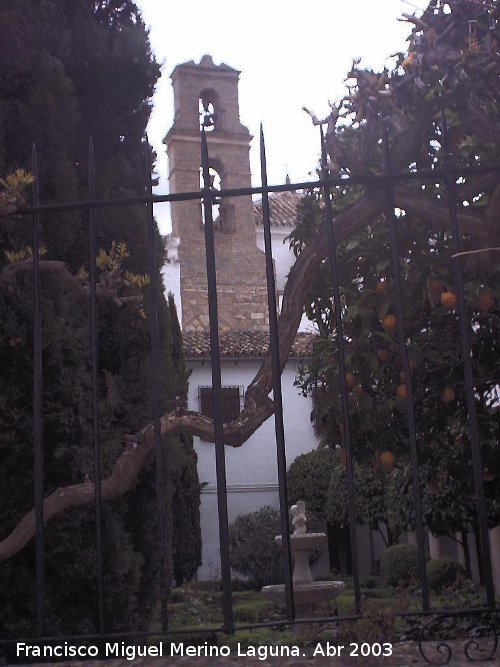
x,y
389,322
408,61
448,300
350,380
381,287
485,301
387,459
448,395
401,392
383,355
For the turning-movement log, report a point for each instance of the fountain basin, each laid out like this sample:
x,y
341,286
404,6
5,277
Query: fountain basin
x,y
305,594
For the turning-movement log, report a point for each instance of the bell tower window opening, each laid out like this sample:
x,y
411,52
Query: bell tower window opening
x,y
216,185
207,106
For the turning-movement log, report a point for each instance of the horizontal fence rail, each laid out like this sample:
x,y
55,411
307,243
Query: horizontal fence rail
x,y
207,195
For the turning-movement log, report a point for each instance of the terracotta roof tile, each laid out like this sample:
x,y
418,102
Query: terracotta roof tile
x,y
283,209
242,344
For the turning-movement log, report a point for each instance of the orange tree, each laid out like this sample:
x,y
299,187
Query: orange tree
x,y
377,390
452,56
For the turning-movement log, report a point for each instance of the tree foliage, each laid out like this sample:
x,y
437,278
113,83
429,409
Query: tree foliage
x,y
253,550
71,71
451,69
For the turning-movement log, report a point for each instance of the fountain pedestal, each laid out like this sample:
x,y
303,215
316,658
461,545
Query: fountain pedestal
x,y
307,593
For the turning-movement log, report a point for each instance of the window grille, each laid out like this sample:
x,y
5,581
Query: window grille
x,y
231,402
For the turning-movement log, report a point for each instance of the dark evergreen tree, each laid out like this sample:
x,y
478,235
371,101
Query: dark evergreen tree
x,y
71,71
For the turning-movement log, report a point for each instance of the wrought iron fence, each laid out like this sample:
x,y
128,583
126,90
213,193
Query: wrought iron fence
x,y
446,174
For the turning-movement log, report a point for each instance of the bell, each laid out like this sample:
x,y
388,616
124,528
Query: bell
x,y
208,120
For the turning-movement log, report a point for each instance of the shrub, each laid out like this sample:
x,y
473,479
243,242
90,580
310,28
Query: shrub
x,y
400,564
253,551
309,478
442,573
370,581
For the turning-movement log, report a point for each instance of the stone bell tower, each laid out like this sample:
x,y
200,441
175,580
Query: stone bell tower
x,y
208,93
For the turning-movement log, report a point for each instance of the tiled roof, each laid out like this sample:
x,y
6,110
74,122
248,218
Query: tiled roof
x,y
283,209
242,344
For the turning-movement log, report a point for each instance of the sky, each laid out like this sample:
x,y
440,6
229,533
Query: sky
x,y
291,54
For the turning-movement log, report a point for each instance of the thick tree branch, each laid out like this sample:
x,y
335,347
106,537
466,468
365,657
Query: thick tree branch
x,y
258,406
8,275
126,469
108,285
437,212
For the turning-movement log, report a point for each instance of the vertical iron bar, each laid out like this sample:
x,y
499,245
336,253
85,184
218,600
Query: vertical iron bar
x,y
155,370
277,395
346,430
465,331
405,362
220,463
95,390
37,410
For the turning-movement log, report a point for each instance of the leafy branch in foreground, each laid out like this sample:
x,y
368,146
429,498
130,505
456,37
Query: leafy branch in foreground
x,y
12,194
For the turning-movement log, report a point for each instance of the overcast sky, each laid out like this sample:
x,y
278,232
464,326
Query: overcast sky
x,y
290,54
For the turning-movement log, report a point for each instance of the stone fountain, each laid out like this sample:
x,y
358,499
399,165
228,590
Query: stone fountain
x,y
307,593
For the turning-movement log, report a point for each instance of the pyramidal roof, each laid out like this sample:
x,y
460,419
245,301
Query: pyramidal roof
x,y
206,63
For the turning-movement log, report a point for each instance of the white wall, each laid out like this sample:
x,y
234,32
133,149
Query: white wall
x,y
284,259
251,470
171,273
282,255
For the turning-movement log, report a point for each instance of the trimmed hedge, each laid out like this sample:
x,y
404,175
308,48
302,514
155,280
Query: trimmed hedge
x,y
442,573
400,564
253,551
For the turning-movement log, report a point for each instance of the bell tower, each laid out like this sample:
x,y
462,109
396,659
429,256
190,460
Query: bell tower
x,y
207,94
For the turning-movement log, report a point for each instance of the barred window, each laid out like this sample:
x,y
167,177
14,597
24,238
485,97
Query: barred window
x,y
230,398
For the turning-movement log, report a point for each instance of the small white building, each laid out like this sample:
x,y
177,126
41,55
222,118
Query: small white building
x,y
251,470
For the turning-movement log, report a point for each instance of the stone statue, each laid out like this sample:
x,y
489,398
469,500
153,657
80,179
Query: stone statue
x,y
299,520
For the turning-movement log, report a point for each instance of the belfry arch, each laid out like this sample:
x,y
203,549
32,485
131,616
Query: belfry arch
x,y
211,113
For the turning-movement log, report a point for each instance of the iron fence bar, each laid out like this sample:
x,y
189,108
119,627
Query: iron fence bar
x,y
277,394
465,331
155,383
405,362
94,333
37,409
220,463
346,429
365,179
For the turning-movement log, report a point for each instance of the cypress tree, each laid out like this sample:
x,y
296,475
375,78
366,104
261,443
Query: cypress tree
x,y
72,71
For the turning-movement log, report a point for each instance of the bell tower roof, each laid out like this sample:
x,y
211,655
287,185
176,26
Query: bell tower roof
x,y
206,63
